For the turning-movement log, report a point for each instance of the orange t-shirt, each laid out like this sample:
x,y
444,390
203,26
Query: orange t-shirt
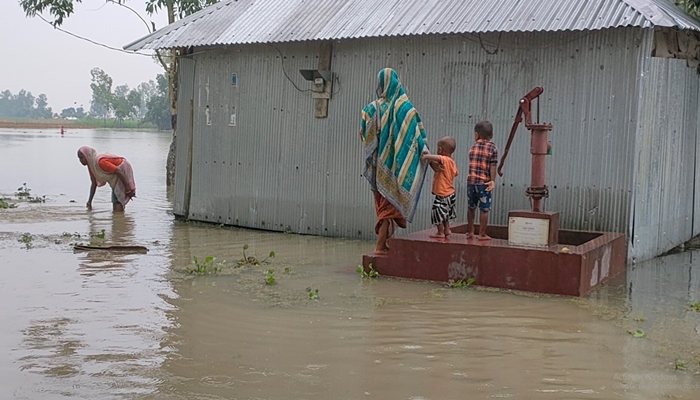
x,y
443,182
110,164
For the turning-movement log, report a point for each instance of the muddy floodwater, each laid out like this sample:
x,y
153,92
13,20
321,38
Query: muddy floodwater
x,y
110,325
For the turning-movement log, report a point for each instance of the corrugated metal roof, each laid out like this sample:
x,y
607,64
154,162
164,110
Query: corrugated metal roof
x,y
273,21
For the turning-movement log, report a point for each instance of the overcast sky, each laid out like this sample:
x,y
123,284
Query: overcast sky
x,y
40,59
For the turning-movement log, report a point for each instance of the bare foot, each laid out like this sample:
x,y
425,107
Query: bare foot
x,y
448,232
382,252
437,235
484,238
470,235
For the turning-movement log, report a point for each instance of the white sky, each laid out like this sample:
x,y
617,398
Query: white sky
x,y
36,57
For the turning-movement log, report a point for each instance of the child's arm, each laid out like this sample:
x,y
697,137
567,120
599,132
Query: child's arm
x,y
434,161
491,184
430,157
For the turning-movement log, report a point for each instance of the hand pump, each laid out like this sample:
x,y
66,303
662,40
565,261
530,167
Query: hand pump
x,y
539,147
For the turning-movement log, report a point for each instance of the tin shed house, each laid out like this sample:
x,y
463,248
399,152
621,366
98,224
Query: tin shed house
x,y
270,95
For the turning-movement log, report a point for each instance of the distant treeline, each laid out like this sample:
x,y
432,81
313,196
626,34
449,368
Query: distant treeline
x,y
148,103
24,105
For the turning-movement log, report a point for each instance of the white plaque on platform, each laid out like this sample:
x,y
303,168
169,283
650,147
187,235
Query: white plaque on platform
x,y
531,232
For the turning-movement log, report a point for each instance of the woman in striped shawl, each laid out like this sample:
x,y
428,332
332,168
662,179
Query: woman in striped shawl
x,y
394,140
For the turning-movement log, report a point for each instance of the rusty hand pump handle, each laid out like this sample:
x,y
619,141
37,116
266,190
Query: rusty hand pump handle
x,y
524,108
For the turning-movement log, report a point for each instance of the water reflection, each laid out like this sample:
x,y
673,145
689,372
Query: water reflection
x,y
120,231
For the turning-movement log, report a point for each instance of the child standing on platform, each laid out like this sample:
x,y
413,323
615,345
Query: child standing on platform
x,y
483,157
443,186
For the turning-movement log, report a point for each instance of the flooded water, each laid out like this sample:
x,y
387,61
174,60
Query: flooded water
x,y
106,325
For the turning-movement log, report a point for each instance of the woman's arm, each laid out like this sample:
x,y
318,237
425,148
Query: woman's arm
x,y
93,187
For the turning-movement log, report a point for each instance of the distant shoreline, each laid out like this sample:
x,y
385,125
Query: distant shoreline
x,y
41,124
69,124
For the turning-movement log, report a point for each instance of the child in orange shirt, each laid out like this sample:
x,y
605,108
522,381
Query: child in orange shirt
x,y
443,186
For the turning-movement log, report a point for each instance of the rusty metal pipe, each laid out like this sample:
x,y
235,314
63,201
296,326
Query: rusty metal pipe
x,y
538,149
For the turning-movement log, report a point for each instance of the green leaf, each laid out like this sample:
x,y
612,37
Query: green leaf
x,y
272,254
209,260
245,247
638,333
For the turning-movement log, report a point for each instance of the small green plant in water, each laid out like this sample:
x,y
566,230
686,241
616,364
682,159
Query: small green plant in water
x,y
371,274
681,365
23,191
26,239
313,293
640,319
205,268
460,283
287,270
695,306
5,203
270,277
638,333
37,199
250,261
100,234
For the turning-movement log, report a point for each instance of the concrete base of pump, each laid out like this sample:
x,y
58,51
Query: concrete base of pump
x,y
574,266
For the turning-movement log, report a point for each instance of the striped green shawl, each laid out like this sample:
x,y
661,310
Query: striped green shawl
x,y
394,140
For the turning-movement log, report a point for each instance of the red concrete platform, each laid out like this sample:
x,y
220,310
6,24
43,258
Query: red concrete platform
x,y
592,258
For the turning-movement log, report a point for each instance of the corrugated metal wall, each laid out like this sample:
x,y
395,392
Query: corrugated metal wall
x,y
665,204
186,68
280,168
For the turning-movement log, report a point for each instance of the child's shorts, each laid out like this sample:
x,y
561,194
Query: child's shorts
x,y
478,196
443,209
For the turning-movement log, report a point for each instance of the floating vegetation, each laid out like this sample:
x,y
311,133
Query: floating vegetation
x,y
695,306
251,261
23,191
6,203
313,293
270,277
460,283
638,333
27,239
204,268
681,365
371,274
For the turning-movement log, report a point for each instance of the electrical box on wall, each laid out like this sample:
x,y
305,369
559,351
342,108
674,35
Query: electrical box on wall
x,y
321,90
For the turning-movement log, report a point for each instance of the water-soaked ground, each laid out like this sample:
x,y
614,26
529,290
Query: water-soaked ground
x,y
100,325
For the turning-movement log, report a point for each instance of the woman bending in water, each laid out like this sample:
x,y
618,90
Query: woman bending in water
x,y
108,168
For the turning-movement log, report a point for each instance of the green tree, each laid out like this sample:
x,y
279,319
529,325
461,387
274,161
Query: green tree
x,y
42,110
59,10
68,113
24,105
101,94
125,103
158,111
146,90
692,7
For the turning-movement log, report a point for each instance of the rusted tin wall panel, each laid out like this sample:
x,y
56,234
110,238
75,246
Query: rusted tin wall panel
x,y
186,86
589,80
665,182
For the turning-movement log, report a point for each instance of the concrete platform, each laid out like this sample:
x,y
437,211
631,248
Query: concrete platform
x,y
592,258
